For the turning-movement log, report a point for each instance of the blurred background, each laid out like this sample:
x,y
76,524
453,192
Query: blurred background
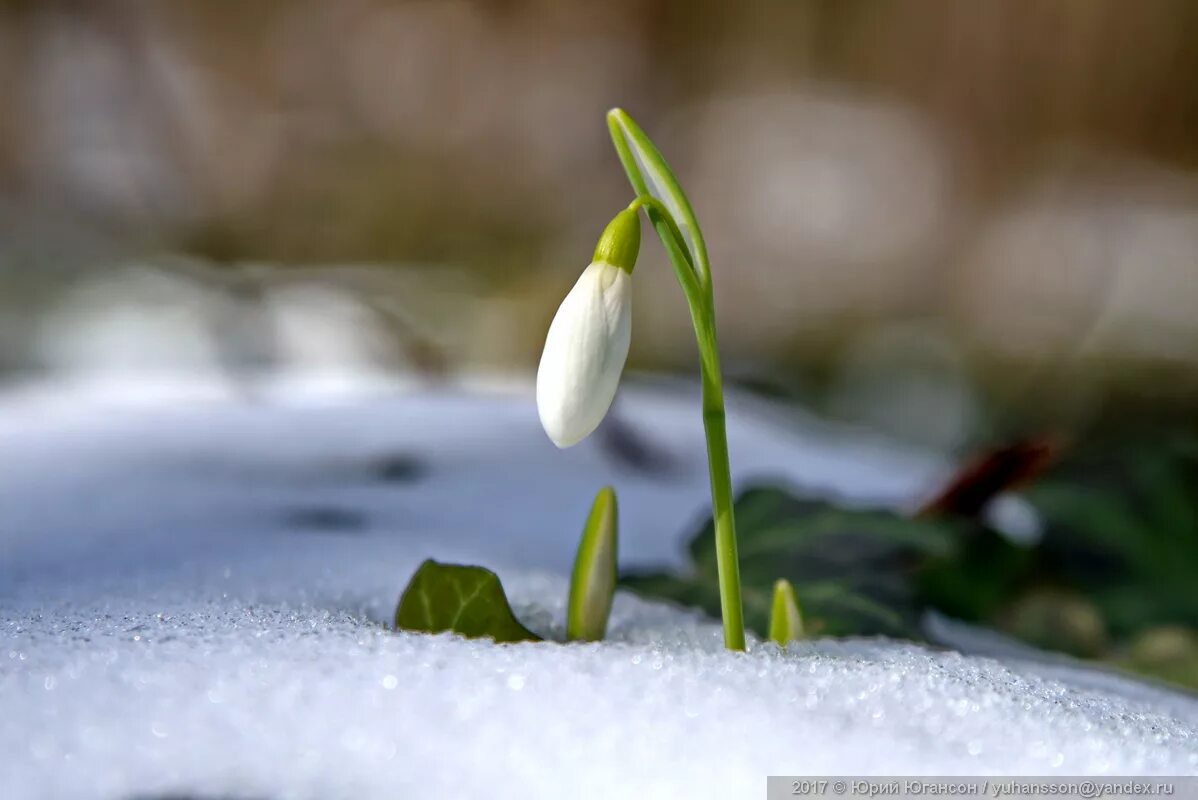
x,y
965,201
960,224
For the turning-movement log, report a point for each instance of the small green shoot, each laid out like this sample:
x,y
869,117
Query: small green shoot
x,y
786,623
593,581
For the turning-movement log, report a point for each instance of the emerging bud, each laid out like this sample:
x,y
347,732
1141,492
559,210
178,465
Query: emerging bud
x,y
588,340
593,581
786,621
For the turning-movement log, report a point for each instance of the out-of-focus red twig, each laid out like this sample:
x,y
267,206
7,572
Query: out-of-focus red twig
x,y
992,472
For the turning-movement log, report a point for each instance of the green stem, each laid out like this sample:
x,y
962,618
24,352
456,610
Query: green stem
x,y
702,308
675,245
688,256
715,428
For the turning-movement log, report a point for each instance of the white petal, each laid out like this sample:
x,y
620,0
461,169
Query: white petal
x,y
584,354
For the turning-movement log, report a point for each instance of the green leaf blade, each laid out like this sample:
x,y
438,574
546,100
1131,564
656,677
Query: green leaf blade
x,y
454,598
593,581
649,174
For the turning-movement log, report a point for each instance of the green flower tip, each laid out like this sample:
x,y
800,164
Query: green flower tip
x,y
620,242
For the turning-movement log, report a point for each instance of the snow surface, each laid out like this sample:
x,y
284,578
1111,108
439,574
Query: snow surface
x,y
194,598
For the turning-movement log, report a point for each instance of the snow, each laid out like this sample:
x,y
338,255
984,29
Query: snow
x,y
194,598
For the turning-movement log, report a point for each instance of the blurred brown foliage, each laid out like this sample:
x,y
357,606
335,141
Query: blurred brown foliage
x,y
920,185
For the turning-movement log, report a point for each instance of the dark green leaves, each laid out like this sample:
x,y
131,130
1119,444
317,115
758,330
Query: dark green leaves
x,y
460,599
1121,527
813,538
854,571
1111,578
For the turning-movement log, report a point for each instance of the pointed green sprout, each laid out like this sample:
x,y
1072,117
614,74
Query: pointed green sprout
x,y
594,579
670,212
786,623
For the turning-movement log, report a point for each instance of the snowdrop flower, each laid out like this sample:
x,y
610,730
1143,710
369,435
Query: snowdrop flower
x,y
588,339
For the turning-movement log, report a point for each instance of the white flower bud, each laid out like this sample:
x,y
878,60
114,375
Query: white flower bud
x,y
584,354
587,342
